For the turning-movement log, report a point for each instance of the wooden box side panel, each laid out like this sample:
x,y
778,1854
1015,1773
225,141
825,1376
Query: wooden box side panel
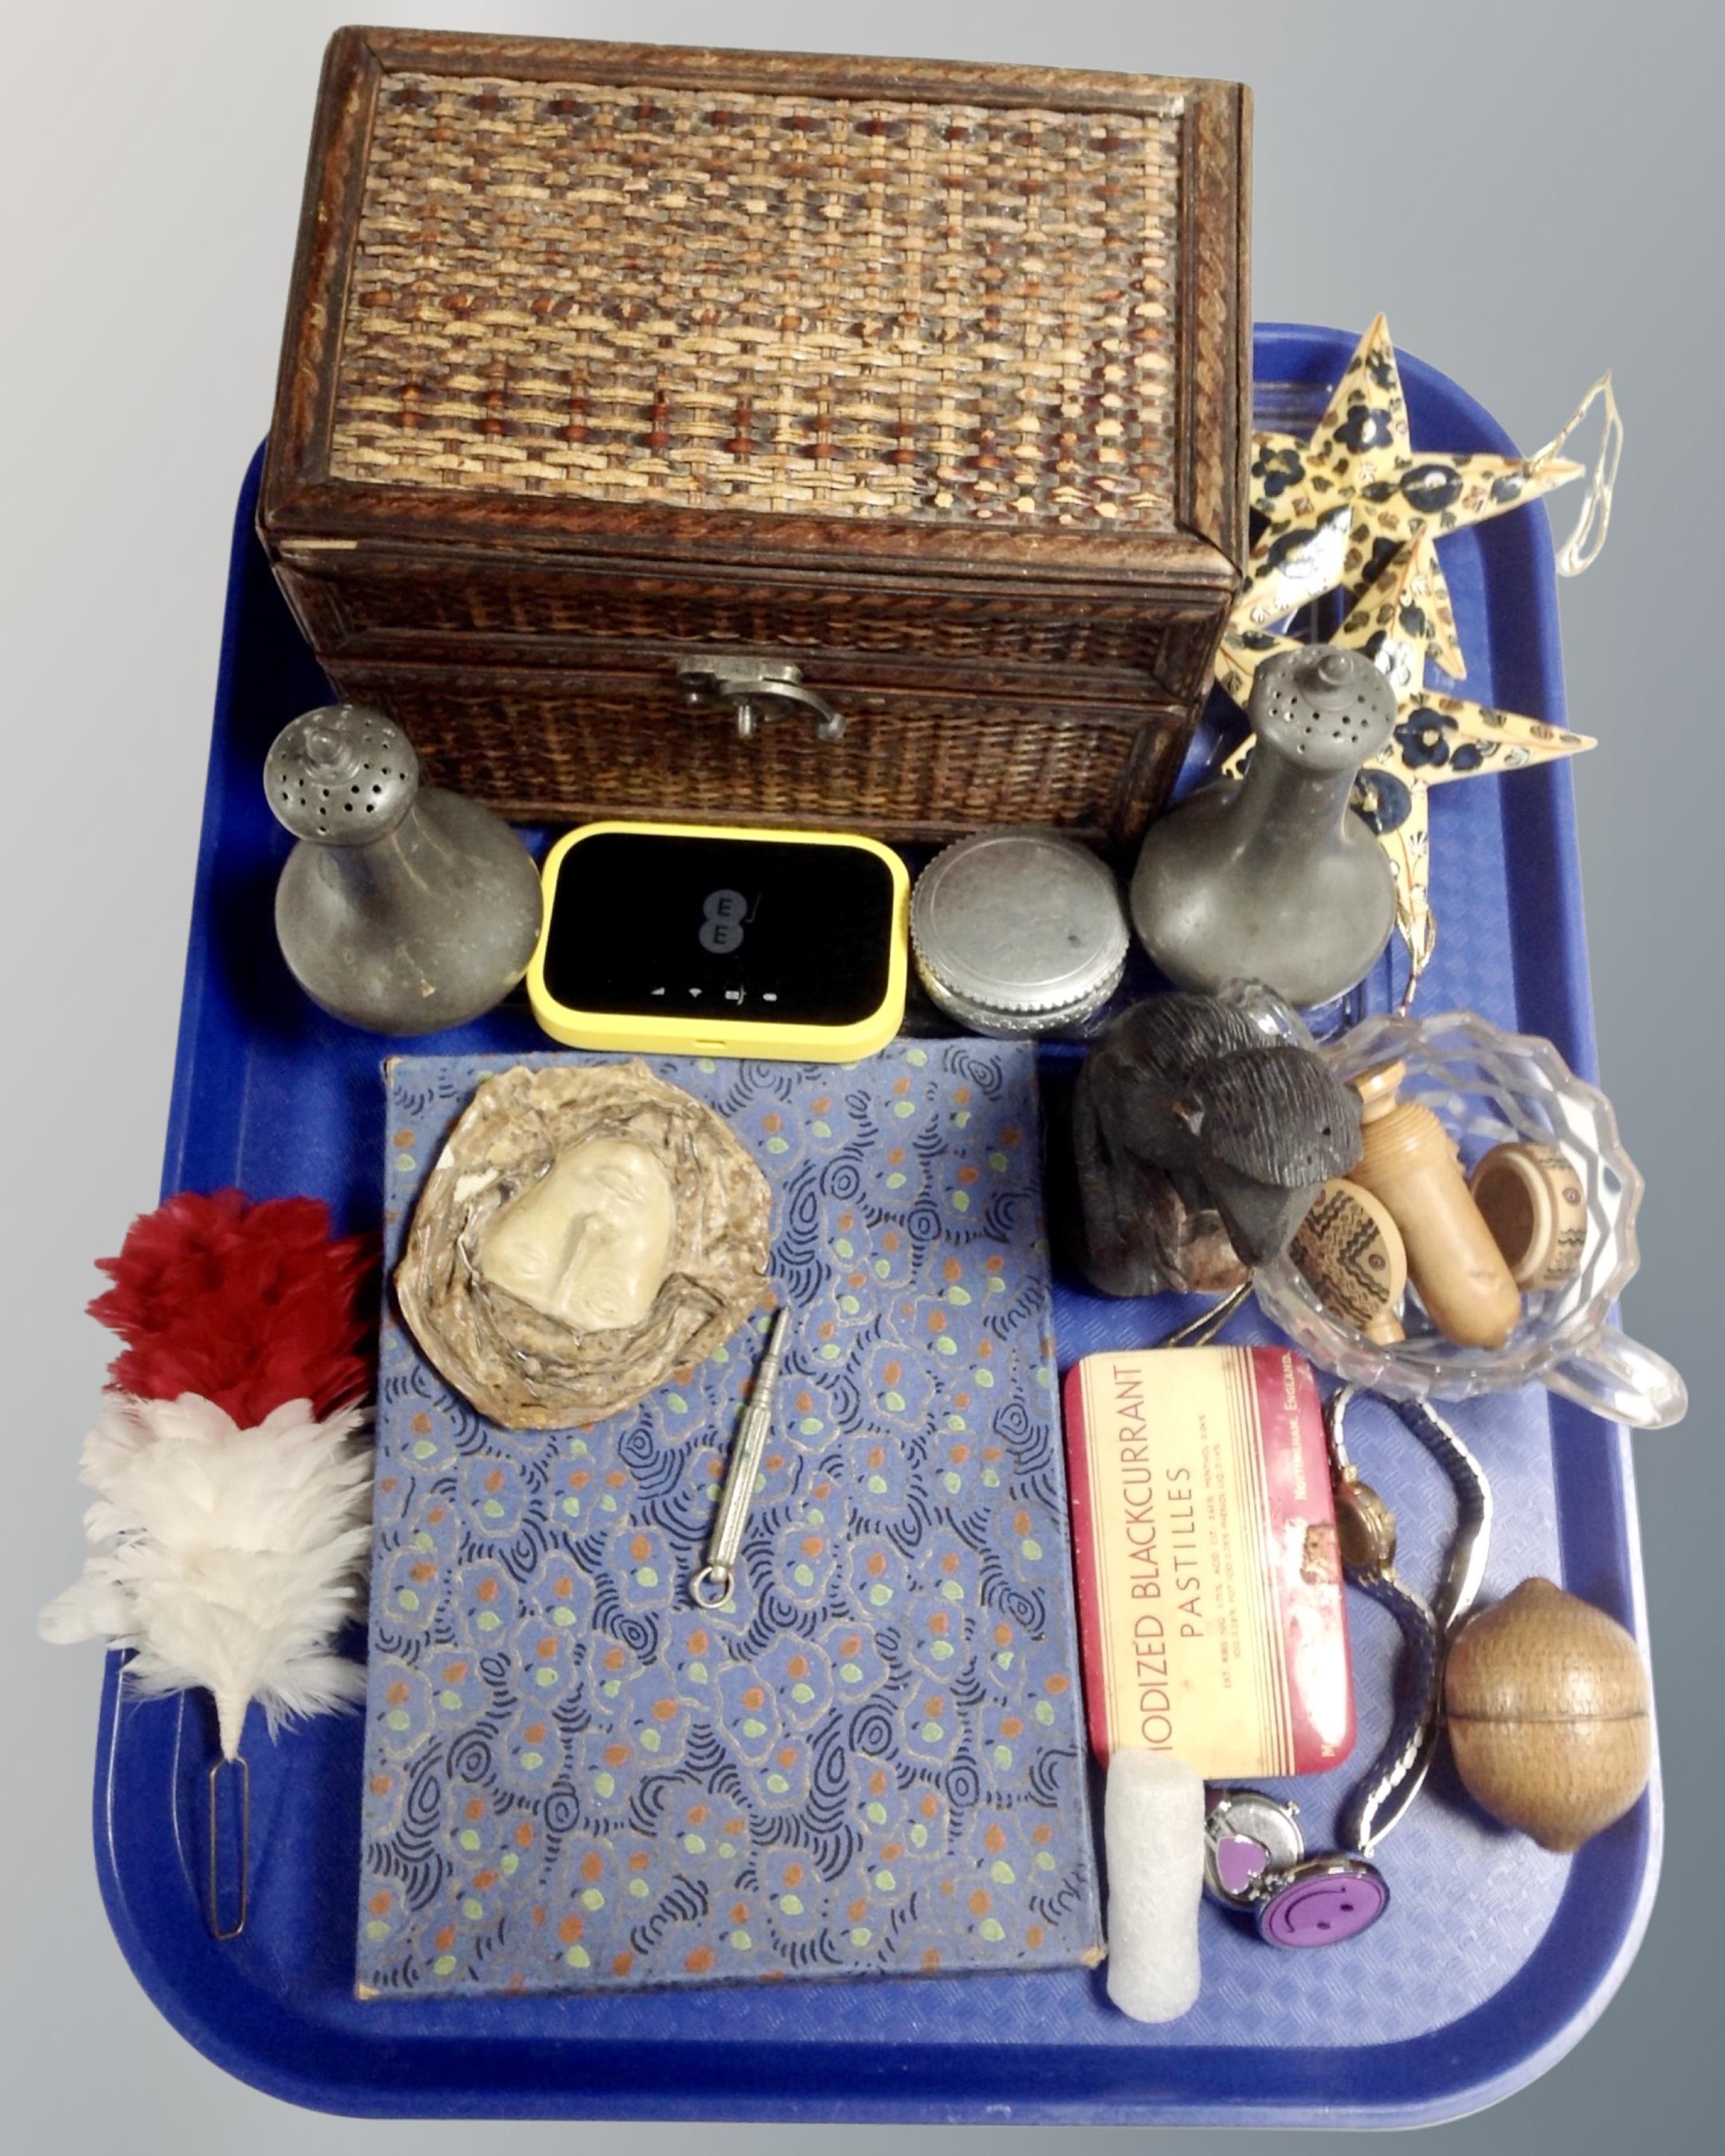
x,y
1215,327
1104,646
543,746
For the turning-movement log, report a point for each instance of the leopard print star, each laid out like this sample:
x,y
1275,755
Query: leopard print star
x,y
1337,509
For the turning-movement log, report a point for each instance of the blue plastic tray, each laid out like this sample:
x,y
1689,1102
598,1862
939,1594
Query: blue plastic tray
x,y
1495,1957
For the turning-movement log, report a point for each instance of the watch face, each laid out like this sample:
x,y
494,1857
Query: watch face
x,y
1247,1833
652,925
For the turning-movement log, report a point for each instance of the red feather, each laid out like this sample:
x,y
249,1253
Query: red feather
x,y
250,1305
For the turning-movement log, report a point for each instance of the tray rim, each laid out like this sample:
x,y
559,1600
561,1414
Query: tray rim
x,y
859,2083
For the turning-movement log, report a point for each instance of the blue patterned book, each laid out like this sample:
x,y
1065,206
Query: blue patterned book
x,y
575,1777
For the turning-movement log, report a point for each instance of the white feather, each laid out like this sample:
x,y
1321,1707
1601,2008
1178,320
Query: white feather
x,y
223,1557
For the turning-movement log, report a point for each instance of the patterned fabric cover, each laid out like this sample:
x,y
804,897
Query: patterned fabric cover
x,y
872,1759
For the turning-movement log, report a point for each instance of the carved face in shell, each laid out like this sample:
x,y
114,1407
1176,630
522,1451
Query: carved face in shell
x,y
588,1242
588,1229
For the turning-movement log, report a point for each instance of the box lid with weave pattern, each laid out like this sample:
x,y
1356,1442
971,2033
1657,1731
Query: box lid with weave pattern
x,y
942,367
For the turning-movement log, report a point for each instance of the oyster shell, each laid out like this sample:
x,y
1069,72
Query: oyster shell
x,y
549,1201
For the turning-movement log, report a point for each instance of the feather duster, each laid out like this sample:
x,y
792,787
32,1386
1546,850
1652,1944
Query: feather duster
x,y
231,1530
248,1305
224,1557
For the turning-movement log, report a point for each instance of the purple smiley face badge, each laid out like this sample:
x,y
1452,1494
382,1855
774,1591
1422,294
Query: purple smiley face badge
x,y
1321,1902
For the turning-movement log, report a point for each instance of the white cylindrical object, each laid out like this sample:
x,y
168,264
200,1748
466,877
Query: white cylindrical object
x,y
1152,1817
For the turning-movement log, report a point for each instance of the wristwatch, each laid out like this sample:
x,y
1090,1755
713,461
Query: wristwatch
x,y
1254,1852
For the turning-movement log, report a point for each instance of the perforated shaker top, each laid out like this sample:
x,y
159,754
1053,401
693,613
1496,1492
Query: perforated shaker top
x,y
343,775
1328,707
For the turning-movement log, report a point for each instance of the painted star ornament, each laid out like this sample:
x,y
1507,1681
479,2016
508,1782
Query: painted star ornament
x,y
1336,507
1356,507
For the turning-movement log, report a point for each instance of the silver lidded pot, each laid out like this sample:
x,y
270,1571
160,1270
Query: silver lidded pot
x,y
402,909
1018,931
1273,877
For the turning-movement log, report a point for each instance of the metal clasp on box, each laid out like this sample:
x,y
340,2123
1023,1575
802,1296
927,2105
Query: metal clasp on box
x,y
756,689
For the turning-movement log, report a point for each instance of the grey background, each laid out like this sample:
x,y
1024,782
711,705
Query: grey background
x,y
1530,192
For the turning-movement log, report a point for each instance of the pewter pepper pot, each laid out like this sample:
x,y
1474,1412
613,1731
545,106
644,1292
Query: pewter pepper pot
x,y
402,910
1272,878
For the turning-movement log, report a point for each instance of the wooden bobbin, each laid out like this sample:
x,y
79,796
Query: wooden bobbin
x,y
1408,1161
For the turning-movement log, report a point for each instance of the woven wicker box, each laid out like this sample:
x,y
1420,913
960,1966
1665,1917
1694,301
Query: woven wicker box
x,y
931,380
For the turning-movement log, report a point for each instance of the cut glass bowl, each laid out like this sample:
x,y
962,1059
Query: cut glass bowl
x,y
1486,1087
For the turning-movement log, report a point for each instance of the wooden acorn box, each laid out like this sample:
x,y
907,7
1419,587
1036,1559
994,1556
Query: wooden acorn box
x,y
853,443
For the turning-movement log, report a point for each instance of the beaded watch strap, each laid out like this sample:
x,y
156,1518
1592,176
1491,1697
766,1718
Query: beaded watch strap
x,y
1396,1775
1394,1782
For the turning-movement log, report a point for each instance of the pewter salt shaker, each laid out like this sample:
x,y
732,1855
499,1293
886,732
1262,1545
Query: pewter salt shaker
x,y
402,910
1273,878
